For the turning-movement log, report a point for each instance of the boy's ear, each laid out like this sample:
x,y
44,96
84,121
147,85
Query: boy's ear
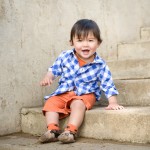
x,y
71,43
99,43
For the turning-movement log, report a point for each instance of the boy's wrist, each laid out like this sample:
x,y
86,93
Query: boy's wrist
x,y
50,75
112,99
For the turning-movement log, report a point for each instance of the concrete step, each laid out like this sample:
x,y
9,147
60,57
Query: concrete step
x,y
129,125
130,69
28,142
135,50
133,92
145,33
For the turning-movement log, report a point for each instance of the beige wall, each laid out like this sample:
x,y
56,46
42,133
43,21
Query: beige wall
x,y
34,32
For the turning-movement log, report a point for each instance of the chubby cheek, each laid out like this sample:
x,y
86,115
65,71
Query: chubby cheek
x,y
94,48
77,47
78,50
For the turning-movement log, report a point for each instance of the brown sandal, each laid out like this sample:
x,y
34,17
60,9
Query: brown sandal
x,y
49,136
67,137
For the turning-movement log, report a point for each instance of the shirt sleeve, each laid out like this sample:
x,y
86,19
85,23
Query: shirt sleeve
x,y
56,68
107,84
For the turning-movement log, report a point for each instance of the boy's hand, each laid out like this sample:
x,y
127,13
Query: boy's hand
x,y
48,79
113,105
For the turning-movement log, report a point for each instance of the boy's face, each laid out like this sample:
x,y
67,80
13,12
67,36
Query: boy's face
x,y
85,47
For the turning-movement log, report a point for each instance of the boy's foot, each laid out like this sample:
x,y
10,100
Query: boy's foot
x,y
67,137
49,136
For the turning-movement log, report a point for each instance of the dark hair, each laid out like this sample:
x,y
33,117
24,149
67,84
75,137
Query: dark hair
x,y
83,27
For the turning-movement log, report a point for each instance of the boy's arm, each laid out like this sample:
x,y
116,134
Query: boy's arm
x,y
53,71
113,105
48,79
107,85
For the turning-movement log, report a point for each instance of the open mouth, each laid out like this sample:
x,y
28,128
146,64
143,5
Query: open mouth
x,y
85,51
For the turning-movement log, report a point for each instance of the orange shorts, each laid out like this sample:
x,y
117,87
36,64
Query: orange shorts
x,y
61,103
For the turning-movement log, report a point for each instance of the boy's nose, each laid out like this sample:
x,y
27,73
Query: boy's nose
x,y
85,43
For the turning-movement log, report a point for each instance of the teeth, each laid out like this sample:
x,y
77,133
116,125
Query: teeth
x,y
85,51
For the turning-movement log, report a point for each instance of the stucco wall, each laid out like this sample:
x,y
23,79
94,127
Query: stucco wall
x,y
34,32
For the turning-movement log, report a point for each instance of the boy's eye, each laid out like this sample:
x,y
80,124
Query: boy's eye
x,y
91,40
79,40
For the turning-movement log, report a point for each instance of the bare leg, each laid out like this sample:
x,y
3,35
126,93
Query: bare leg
x,y
77,113
76,118
51,134
52,117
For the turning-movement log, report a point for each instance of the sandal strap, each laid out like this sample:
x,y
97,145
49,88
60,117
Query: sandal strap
x,y
73,129
72,133
56,132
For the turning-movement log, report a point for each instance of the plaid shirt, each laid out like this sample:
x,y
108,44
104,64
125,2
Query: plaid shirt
x,y
93,77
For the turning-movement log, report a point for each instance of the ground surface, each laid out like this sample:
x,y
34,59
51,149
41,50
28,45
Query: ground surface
x,y
28,142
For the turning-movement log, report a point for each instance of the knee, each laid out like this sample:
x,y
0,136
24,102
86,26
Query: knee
x,y
78,104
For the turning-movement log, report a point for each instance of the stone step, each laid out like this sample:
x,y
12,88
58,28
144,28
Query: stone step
x,y
130,69
145,33
133,92
135,50
129,125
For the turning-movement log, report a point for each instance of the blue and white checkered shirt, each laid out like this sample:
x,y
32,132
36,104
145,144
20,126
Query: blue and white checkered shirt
x,y
93,77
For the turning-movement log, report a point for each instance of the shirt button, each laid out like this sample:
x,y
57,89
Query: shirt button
x,y
82,69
